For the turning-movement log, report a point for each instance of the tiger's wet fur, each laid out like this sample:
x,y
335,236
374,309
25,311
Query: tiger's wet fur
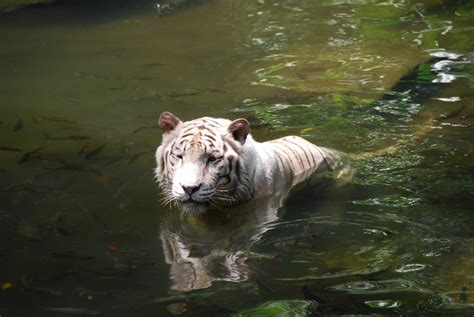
x,y
213,162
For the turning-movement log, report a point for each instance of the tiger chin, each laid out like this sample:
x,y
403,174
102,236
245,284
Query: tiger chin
x,y
210,163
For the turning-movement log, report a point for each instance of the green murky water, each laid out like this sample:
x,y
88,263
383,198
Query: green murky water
x,y
82,230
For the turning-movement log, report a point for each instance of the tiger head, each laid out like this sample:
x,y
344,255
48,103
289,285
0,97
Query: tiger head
x,y
202,163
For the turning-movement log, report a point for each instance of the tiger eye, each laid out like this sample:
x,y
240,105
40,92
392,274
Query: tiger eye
x,y
213,159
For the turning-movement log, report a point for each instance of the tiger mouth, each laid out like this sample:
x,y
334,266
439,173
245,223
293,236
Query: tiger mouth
x,y
194,202
192,206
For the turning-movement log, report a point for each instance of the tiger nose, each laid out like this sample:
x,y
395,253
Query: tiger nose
x,y
190,189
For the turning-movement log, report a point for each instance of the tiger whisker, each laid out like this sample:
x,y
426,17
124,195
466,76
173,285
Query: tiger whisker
x,y
230,189
214,204
166,197
224,198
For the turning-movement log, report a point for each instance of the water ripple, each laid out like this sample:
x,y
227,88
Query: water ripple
x,y
383,303
390,201
411,268
375,287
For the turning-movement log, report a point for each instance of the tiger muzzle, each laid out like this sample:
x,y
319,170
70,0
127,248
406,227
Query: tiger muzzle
x,y
191,189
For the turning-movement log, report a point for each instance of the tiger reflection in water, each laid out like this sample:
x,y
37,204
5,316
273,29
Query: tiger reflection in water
x,y
210,164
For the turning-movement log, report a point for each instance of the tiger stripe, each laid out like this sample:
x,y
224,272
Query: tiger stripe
x,y
305,153
295,154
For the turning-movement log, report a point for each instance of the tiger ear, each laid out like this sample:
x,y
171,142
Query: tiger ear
x,y
239,128
168,121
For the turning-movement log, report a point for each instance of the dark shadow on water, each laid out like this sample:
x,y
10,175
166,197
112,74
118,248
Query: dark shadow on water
x,y
81,13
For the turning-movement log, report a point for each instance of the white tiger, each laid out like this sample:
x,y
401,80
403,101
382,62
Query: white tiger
x,y
215,162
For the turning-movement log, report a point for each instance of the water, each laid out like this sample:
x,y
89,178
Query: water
x,y
82,229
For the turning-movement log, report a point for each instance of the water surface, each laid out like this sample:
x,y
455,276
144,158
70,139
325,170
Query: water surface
x,y
82,227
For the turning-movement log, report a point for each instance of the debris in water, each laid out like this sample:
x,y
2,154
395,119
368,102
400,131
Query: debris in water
x,y
56,225
25,157
136,156
46,290
29,231
185,93
112,248
71,255
148,126
95,152
463,294
78,168
124,268
90,293
66,138
45,158
176,308
53,119
61,231
99,179
262,285
18,126
308,294
72,311
452,114
84,148
214,90
121,189
27,282
10,149
113,160
28,187
60,276
307,130
90,213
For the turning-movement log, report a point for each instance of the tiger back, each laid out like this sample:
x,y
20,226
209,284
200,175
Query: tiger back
x,y
298,158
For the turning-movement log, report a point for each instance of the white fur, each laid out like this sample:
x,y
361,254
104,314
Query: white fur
x,y
260,165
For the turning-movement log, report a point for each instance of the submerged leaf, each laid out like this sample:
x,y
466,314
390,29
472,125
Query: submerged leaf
x,y
281,308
